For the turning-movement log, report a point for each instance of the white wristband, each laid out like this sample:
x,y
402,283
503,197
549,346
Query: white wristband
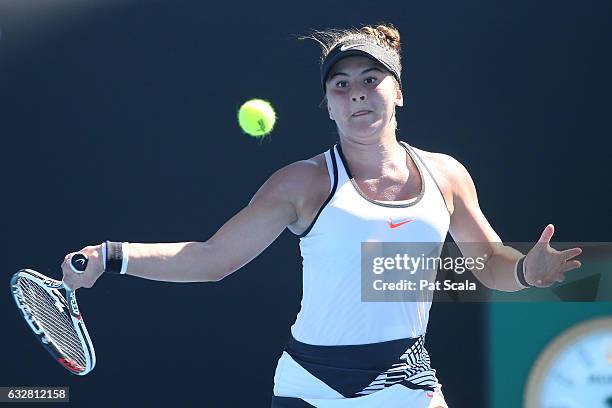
x,y
126,257
103,250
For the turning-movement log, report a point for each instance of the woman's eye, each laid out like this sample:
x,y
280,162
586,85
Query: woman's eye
x,y
344,84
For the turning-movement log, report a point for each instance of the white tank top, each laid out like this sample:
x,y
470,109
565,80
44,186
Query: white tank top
x,y
332,312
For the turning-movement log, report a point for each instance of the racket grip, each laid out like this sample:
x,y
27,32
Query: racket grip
x,y
78,262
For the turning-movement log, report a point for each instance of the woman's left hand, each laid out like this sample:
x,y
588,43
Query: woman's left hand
x,y
545,265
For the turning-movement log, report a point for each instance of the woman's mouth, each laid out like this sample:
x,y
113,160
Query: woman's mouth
x,y
361,113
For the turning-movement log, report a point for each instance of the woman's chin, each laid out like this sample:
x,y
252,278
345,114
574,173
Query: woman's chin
x,y
365,128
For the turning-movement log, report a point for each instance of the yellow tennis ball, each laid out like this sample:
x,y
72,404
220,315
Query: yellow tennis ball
x,y
256,117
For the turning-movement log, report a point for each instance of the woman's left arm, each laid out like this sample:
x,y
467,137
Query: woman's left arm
x,y
475,237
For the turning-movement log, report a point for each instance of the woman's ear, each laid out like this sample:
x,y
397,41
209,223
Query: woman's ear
x,y
330,112
399,97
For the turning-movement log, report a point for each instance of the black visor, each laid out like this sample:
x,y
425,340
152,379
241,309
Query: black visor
x,y
363,48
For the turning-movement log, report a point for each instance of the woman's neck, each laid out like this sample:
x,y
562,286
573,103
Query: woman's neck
x,y
373,160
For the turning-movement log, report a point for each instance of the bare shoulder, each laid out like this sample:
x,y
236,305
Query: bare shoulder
x,y
305,183
448,172
442,162
301,175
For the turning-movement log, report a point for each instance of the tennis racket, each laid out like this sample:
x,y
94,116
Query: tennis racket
x,y
55,320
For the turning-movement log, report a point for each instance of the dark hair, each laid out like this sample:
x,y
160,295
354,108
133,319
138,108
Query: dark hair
x,y
384,34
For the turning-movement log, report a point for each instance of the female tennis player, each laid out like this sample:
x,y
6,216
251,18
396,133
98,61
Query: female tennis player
x,y
369,187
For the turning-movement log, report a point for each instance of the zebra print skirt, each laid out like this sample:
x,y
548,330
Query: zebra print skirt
x,y
391,373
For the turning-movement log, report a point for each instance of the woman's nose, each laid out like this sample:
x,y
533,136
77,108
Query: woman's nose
x,y
358,92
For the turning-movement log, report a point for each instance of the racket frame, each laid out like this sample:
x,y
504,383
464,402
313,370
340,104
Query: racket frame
x,y
52,287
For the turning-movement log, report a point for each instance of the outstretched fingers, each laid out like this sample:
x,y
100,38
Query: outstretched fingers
x,y
547,234
570,253
568,266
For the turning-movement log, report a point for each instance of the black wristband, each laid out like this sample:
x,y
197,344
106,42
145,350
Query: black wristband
x,y
114,257
520,273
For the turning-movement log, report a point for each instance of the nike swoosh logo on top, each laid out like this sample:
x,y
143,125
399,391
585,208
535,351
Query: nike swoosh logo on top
x,y
349,46
399,224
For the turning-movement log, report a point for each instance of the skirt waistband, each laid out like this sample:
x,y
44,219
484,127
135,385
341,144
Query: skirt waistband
x,y
374,356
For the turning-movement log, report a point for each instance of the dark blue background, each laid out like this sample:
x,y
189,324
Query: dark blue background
x,y
118,121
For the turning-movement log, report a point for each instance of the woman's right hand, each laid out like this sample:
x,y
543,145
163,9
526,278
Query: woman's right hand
x,y
92,272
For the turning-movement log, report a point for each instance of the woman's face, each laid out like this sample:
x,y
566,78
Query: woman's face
x,y
361,96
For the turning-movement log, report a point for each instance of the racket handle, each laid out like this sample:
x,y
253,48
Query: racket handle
x,y
78,262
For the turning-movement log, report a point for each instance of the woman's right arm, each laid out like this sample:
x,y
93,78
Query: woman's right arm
x,y
236,243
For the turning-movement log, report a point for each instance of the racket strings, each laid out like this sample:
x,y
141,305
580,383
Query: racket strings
x,y
53,319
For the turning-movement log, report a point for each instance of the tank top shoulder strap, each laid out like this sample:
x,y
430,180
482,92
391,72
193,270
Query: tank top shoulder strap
x,y
332,170
344,173
428,174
